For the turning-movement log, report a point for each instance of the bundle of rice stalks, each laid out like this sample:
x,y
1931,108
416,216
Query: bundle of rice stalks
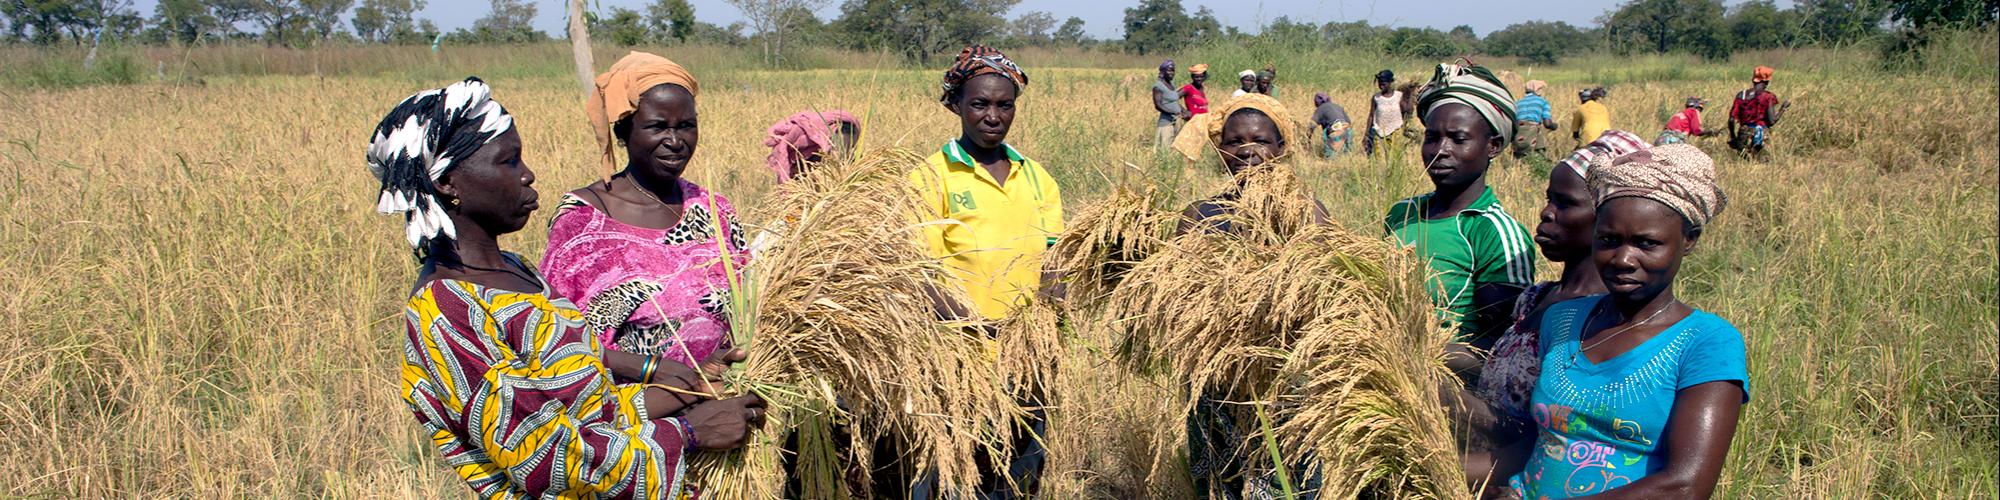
x,y
845,332
1105,240
1272,204
1031,353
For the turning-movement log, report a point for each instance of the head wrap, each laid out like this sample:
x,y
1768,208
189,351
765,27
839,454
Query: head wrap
x,y
1677,175
616,94
1534,86
1761,74
980,60
1205,130
1600,92
1265,74
1320,98
801,135
422,139
1475,86
1198,69
1167,64
1385,76
1583,94
1248,73
1696,102
1610,144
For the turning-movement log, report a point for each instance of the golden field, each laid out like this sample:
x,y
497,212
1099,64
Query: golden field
x,y
201,302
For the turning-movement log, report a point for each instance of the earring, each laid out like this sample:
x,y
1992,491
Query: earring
x,y
453,202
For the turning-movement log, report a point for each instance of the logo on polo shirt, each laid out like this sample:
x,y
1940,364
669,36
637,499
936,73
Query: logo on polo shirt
x,y
962,200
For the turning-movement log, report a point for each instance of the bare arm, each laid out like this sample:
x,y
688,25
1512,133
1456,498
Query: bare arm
x,y
1697,440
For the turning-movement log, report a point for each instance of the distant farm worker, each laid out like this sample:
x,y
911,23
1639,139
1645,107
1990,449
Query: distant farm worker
x,y
1385,116
1194,95
1332,122
1252,135
799,143
1264,79
508,380
1248,83
1532,121
1497,415
1591,117
1006,211
1756,109
1639,393
651,251
1167,101
1685,125
1478,255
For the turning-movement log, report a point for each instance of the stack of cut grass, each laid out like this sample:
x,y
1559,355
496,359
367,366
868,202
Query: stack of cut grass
x,y
1326,333
845,333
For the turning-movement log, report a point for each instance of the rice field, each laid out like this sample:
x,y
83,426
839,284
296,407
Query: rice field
x,y
203,303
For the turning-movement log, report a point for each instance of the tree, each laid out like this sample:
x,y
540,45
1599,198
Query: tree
x,y
322,17
1071,33
1356,34
511,21
1661,26
1537,42
671,19
920,28
623,27
1758,24
1929,15
1284,29
1428,43
771,21
387,21
1840,21
1157,26
1032,28
183,21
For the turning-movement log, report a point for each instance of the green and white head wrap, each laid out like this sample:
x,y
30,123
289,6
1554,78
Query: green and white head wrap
x,y
1475,86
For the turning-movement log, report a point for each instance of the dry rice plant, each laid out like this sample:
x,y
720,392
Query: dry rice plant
x,y
845,331
1105,240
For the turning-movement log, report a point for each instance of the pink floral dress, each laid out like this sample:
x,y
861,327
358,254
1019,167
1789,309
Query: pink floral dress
x,y
649,291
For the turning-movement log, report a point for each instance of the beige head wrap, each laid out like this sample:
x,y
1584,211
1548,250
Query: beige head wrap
x,y
1677,175
1202,132
616,95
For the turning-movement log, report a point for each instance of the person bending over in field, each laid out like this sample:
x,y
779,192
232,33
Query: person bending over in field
x,y
1532,121
509,381
1478,254
1754,112
1639,393
1006,211
1253,135
650,250
1332,122
1494,414
798,144
1591,117
1685,125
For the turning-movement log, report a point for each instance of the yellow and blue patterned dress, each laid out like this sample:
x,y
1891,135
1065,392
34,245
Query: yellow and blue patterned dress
x,y
519,403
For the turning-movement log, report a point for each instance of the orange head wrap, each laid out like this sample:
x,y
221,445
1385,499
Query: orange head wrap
x,y
1761,74
616,95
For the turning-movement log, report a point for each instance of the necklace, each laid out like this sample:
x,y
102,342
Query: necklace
x,y
1607,338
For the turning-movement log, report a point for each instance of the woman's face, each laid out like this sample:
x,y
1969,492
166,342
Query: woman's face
x,y
1382,85
1638,247
1458,145
494,188
1568,216
663,133
1198,78
985,109
1249,139
1249,82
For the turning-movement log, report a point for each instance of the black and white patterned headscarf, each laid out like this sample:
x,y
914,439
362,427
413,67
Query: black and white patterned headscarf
x,y
423,138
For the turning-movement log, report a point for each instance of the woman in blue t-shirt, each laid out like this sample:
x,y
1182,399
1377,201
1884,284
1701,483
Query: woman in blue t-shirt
x,y
1639,393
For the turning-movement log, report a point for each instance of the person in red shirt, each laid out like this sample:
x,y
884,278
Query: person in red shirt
x,y
1194,95
1756,109
1685,125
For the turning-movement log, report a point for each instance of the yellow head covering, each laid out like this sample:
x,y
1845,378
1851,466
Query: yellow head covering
x,y
616,95
1198,69
1202,132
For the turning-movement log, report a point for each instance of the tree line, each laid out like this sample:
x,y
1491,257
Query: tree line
x,y
923,29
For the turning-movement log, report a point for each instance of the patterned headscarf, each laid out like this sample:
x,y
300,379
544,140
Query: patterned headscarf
x,y
1610,144
979,60
422,139
1677,175
615,95
1167,64
1761,74
1475,86
801,135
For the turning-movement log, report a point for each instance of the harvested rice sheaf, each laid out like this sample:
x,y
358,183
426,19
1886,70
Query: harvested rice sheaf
x,y
1105,240
845,331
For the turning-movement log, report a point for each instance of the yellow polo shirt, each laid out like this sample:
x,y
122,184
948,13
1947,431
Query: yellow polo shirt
x,y
1590,120
998,231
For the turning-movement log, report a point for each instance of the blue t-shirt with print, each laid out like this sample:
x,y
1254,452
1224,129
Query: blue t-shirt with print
x,y
1599,424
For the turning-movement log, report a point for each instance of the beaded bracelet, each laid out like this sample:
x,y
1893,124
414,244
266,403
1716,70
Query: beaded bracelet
x,y
688,429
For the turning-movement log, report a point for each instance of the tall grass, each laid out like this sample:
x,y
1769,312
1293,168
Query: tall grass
x,y
201,303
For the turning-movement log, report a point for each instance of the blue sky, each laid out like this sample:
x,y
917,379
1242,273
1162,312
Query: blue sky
x,y
1104,18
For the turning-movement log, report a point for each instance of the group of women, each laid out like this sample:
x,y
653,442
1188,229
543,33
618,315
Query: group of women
x,y
596,372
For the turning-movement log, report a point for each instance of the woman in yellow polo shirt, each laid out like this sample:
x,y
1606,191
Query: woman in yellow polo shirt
x,y
1004,211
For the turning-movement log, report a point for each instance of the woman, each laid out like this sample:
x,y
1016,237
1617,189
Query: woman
x,y
512,387
1194,95
1247,84
1385,116
808,138
1498,404
1591,117
1331,119
654,253
1479,255
1531,119
1253,133
1685,125
1167,102
1754,111
1264,79
1006,210
1639,393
